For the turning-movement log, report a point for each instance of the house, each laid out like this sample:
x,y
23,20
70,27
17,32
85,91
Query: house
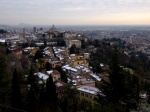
x,y
73,72
81,80
42,76
89,93
61,88
86,55
31,50
75,42
16,49
55,75
78,60
56,63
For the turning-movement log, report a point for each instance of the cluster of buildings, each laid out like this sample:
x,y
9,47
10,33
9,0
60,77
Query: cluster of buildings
x,y
76,66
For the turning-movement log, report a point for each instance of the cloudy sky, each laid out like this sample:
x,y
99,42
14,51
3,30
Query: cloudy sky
x,y
75,12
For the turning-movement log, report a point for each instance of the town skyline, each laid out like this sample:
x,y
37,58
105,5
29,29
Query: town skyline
x,y
66,12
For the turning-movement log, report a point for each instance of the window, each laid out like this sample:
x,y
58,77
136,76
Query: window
x,y
87,95
90,97
82,94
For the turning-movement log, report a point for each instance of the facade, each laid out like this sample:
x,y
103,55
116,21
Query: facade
x,y
41,63
89,93
56,64
69,42
17,50
86,55
75,42
78,60
33,51
30,50
55,75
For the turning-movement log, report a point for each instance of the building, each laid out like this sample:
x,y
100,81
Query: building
x,y
61,88
78,60
89,93
55,75
30,50
34,29
56,63
42,76
16,49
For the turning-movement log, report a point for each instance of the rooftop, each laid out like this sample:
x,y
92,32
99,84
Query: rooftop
x,y
88,89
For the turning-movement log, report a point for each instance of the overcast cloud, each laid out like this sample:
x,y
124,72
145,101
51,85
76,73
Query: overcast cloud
x,y
74,11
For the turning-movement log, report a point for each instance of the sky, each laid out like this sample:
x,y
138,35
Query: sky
x,y
75,12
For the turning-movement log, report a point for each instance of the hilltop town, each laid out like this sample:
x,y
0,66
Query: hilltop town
x,y
73,63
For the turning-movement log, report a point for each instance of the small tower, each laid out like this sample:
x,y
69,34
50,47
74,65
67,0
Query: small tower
x,y
53,28
34,29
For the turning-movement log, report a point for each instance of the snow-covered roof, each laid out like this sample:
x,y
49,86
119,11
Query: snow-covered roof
x,y
78,76
39,43
72,54
14,37
2,40
86,53
88,89
49,72
42,76
101,64
47,52
58,84
96,77
69,68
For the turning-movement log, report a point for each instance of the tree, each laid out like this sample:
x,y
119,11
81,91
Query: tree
x,y
63,74
72,49
122,88
25,63
16,95
42,99
116,79
32,100
38,54
45,43
32,96
51,95
33,80
5,78
41,62
48,66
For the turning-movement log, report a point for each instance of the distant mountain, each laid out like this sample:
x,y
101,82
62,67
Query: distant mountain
x,y
24,25
4,27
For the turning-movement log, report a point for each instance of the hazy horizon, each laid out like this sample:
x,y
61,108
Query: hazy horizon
x,y
78,12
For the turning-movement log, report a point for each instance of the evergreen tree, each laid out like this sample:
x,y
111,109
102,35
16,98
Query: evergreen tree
x,y
48,66
63,74
16,95
45,43
51,95
32,79
42,99
116,79
38,54
32,100
33,94
64,104
122,88
72,49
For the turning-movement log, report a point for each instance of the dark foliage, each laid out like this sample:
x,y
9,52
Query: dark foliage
x,y
16,95
48,66
38,54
